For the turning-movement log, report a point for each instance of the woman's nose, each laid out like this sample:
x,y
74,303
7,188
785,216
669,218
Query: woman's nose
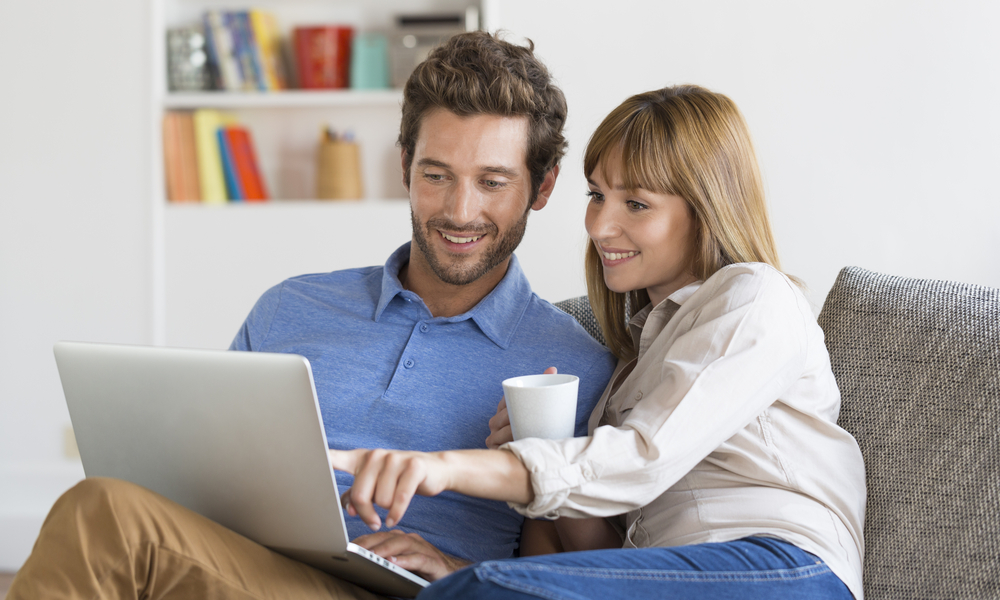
x,y
601,222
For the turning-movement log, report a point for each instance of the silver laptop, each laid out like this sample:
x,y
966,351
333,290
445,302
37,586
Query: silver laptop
x,y
234,436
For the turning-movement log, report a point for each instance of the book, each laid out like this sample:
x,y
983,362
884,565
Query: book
x,y
238,23
233,188
244,159
187,61
268,43
222,50
171,157
180,158
207,122
190,181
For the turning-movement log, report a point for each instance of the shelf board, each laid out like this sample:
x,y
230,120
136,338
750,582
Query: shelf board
x,y
283,99
293,204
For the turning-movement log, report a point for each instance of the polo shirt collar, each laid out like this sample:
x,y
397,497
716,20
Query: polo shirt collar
x,y
497,315
391,286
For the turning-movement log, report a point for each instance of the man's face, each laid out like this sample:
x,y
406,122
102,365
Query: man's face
x,y
469,193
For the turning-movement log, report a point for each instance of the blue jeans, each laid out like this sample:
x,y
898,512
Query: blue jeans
x,y
750,568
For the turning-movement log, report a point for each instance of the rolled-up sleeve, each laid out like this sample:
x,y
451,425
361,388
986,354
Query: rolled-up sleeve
x,y
742,345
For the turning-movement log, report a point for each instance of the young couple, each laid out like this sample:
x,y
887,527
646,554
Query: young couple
x,y
712,457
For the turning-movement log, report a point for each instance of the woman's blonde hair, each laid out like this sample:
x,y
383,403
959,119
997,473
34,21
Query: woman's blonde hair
x,y
693,143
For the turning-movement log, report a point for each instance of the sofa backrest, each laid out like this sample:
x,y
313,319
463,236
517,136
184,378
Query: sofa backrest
x,y
918,365
579,309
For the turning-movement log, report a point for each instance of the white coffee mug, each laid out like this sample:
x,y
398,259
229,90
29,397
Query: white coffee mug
x,y
542,406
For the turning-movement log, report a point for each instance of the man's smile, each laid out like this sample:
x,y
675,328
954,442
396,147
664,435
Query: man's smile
x,y
460,240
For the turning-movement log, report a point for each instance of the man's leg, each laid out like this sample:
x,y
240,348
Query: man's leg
x,y
106,538
749,569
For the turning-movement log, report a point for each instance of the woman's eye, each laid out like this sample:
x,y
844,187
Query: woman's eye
x,y
634,205
595,196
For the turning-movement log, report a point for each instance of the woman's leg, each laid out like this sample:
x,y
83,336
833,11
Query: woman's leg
x,y
748,569
106,538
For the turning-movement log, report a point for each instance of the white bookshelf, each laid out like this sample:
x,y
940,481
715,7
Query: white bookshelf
x,y
210,263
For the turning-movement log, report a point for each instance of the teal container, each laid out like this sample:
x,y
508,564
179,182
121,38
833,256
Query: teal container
x,y
369,62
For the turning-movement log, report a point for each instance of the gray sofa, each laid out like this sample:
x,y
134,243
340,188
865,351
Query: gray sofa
x,y
918,364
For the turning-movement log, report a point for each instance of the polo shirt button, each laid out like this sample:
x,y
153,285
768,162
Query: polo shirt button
x,y
409,363
638,395
425,327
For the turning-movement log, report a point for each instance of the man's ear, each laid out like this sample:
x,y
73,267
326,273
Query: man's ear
x,y
402,163
545,190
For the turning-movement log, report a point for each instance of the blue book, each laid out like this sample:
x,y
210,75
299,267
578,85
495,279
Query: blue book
x,y
238,23
252,47
233,189
220,50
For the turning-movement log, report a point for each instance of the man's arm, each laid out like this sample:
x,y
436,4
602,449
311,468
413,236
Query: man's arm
x,y
411,552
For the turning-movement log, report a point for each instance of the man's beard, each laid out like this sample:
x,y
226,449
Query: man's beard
x,y
463,274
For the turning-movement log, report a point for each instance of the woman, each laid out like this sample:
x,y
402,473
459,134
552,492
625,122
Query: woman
x,y
714,453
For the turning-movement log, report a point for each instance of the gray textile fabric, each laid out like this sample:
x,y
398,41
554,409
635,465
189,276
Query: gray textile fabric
x,y
579,309
918,364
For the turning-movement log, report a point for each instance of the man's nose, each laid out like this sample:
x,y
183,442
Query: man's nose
x,y
462,203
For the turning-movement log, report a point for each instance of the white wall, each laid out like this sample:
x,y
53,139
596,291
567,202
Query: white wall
x,y
73,226
876,124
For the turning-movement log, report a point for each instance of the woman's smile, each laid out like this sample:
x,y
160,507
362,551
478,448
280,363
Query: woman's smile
x,y
616,256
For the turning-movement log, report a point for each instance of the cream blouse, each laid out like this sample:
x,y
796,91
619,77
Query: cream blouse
x,y
725,426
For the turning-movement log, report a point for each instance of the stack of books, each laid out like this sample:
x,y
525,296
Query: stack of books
x,y
244,50
209,157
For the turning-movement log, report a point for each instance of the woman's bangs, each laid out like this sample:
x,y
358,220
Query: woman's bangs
x,y
644,162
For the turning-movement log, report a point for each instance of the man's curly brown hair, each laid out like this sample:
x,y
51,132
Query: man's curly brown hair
x,y
477,73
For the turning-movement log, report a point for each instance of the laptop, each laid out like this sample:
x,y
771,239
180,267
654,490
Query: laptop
x,y
234,436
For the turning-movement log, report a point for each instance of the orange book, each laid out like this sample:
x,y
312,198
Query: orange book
x,y
188,157
180,161
171,154
245,162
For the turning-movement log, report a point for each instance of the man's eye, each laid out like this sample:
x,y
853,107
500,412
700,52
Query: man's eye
x,y
492,184
434,176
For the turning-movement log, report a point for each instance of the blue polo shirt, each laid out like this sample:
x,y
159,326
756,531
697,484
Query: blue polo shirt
x,y
390,375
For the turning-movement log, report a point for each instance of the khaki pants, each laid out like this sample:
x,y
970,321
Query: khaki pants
x,y
106,538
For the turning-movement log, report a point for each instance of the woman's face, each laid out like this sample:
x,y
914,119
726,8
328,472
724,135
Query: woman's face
x,y
645,240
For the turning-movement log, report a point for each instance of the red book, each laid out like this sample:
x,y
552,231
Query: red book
x,y
245,162
323,56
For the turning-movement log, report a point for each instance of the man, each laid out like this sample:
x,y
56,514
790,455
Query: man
x,y
409,355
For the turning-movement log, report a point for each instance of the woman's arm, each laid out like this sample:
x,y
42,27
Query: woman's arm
x,y
390,478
